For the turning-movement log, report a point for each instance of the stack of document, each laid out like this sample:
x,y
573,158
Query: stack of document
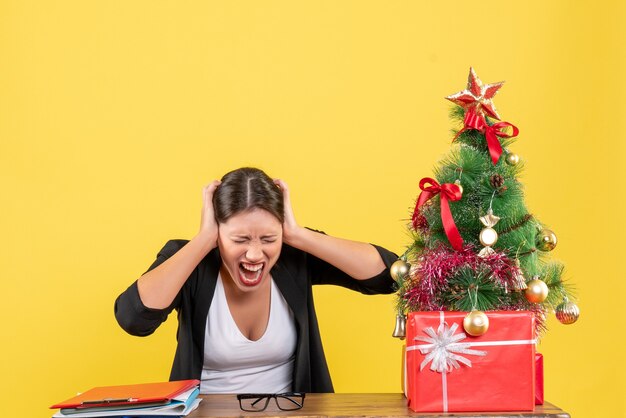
x,y
165,399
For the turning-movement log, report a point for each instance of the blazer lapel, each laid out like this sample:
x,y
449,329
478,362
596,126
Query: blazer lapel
x,y
205,290
293,294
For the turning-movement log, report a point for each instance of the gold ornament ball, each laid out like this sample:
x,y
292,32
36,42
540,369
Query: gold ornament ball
x,y
567,312
399,269
537,291
476,323
512,159
458,183
488,237
545,240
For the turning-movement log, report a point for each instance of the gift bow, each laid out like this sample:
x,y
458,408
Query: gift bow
x,y
444,349
448,191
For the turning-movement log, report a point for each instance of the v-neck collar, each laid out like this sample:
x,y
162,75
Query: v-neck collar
x,y
284,280
220,292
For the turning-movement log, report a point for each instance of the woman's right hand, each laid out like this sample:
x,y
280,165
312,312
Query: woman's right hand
x,y
208,225
158,287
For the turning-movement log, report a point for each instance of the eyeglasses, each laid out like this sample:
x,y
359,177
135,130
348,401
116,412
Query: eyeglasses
x,y
257,402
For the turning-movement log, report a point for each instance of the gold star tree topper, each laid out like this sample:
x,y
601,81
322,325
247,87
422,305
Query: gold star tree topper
x,y
477,99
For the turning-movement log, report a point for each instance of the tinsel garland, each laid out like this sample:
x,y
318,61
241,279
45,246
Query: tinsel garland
x,y
433,269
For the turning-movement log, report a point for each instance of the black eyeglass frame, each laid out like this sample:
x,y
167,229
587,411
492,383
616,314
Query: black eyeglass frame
x,y
297,398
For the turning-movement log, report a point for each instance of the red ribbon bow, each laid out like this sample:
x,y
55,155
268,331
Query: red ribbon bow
x,y
448,191
476,121
473,119
492,133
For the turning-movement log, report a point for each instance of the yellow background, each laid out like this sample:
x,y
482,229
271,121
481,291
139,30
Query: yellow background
x,y
114,114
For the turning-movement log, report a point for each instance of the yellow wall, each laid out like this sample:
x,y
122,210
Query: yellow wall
x,y
114,114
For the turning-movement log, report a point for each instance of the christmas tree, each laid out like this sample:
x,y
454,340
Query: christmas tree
x,y
476,247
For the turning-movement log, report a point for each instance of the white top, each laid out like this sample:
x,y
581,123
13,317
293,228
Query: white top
x,y
235,364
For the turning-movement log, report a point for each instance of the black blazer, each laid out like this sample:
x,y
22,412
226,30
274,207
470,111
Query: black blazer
x,y
294,273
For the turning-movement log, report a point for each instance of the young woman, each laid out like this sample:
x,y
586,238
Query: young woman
x,y
243,290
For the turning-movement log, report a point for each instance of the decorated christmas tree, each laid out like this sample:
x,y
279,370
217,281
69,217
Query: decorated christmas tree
x,y
476,246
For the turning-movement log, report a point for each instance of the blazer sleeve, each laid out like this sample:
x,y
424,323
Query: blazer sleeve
x,y
130,312
322,272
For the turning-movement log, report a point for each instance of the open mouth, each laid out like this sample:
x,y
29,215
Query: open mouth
x,y
250,274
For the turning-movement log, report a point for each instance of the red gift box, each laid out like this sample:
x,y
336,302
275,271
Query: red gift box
x,y
538,379
493,372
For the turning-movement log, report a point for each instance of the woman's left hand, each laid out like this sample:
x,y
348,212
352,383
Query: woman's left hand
x,y
358,259
290,226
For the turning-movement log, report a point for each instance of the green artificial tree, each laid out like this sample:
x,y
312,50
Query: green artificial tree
x,y
476,246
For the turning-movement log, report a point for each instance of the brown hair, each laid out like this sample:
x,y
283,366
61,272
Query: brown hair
x,y
245,189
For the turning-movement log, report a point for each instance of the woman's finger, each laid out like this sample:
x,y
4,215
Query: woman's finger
x,y
208,190
212,186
